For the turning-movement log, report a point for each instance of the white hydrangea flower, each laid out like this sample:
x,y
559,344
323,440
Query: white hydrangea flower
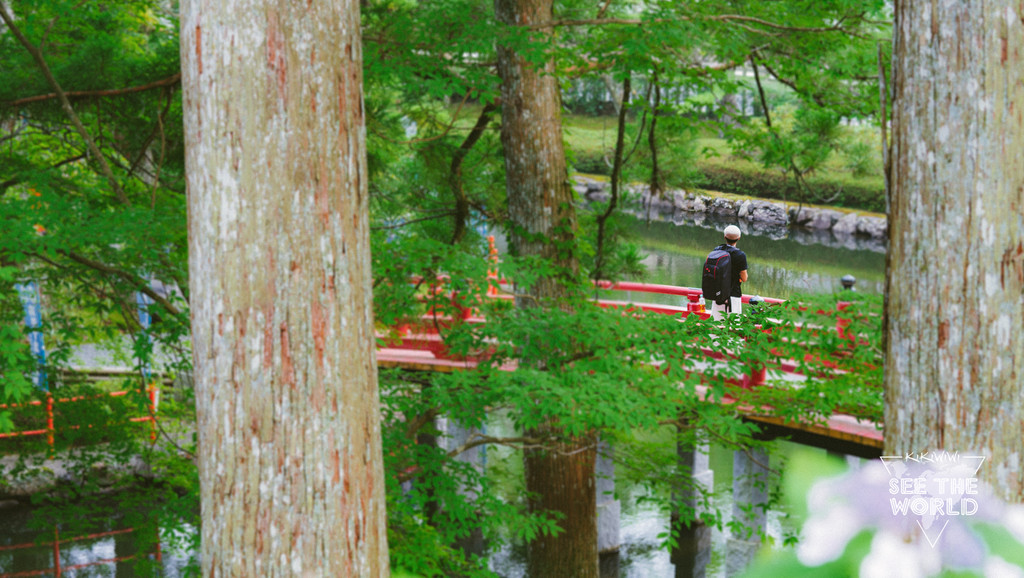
x,y
907,543
893,557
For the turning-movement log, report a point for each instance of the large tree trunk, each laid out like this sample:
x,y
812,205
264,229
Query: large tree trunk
x,y
290,461
955,348
544,222
562,479
540,201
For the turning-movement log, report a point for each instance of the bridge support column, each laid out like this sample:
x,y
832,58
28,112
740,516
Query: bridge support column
x,y
692,553
750,495
609,509
454,435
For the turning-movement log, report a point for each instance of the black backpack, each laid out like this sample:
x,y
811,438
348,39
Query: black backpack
x,y
716,281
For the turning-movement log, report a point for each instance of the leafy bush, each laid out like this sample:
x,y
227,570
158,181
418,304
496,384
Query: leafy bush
x,y
862,157
591,162
772,185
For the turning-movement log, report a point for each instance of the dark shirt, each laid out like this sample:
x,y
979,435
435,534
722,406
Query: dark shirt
x,y
739,263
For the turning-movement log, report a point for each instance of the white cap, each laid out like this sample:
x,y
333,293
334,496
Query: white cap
x,y
732,232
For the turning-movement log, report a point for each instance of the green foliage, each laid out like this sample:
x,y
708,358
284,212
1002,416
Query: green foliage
x,y
16,361
90,246
628,375
862,154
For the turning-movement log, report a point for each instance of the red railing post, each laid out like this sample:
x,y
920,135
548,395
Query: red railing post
x,y
56,552
49,421
492,271
159,552
755,376
152,411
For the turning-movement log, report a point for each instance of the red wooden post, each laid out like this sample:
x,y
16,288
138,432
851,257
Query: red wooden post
x,y
159,552
755,376
492,272
152,411
56,552
49,421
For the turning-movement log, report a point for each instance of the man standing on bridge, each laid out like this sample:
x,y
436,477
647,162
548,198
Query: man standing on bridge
x,y
738,273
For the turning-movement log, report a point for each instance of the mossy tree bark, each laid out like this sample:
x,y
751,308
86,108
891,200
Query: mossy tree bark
x,y
290,461
955,310
544,224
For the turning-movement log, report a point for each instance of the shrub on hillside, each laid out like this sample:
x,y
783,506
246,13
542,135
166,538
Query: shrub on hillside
x,y
591,163
861,157
773,185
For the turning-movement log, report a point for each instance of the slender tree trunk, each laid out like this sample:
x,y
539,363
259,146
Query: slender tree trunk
x,y
290,459
455,181
543,224
652,143
620,145
955,350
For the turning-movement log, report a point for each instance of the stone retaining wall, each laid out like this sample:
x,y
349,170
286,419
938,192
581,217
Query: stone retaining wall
x,y
758,213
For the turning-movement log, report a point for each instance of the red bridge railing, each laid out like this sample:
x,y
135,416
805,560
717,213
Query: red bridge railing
x,y
53,425
425,336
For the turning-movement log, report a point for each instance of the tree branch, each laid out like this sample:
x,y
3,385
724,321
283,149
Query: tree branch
x,y
65,104
421,420
737,19
443,134
15,180
139,283
152,136
596,21
404,223
615,178
169,81
477,440
792,84
760,92
604,7
455,172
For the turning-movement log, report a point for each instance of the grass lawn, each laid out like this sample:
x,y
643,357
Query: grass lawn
x,y
715,168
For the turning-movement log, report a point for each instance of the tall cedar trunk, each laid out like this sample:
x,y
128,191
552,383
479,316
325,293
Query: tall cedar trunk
x,y
290,458
562,480
537,181
955,347
544,221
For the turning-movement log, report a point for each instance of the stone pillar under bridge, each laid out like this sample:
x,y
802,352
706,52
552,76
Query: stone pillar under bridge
x,y
692,553
750,498
453,435
609,509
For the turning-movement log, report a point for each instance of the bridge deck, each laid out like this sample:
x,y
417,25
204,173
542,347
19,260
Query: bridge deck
x,y
840,433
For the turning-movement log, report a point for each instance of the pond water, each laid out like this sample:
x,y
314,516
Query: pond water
x,y
778,266
644,525
100,540
781,264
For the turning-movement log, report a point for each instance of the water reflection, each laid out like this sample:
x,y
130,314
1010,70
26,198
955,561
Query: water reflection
x,y
778,267
692,554
30,546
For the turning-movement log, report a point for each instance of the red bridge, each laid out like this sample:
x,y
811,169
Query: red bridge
x,y
423,349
